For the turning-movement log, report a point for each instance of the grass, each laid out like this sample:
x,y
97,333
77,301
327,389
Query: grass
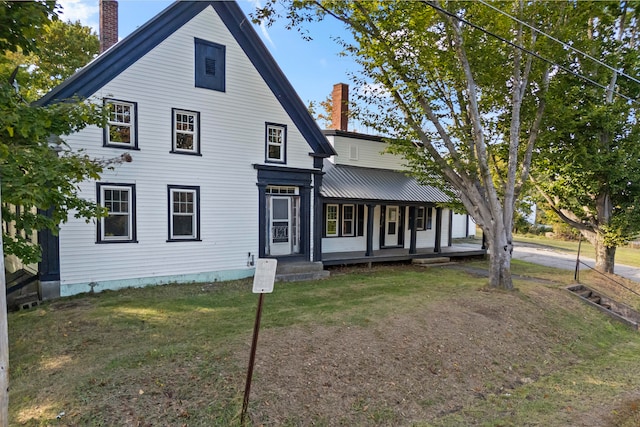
x,y
176,354
625,255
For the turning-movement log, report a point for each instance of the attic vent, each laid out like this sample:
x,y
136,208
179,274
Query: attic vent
x,y
353,152
210,66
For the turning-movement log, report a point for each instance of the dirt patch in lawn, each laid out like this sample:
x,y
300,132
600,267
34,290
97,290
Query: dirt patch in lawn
x,y
407,368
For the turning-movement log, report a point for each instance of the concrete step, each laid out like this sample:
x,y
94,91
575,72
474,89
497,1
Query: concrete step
x,y
292,267
302,276
435,260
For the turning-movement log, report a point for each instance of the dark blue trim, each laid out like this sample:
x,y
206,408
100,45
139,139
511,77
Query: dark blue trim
x,y
437,247
105,130
196,189
132,188
266,143
301,178
204,50
244,33
123,54
197,152
49,266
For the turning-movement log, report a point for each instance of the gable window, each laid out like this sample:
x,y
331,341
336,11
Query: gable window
x,y
332,220
121,130
119,223
276,143
184,213
348,217
186,132
420,218
210,65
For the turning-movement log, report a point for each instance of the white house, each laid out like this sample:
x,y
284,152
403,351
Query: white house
x,y
372,208
226,160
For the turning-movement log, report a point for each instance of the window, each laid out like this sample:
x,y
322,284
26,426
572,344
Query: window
x,y
184,213
420,217
332,220
348,217
276,143
119,223
210,65
121,130
353,152
186,132
429,218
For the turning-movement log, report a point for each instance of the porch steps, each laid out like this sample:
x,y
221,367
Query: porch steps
x,y
431,262
298,271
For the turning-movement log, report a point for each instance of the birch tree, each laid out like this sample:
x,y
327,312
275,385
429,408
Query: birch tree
x,y
462,105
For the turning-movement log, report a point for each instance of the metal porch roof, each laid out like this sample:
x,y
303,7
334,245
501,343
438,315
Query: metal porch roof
x,y
352,182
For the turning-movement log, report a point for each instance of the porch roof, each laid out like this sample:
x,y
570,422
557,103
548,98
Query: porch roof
x,y
358,183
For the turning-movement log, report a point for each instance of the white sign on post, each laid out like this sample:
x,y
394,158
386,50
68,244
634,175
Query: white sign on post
x,y
265,276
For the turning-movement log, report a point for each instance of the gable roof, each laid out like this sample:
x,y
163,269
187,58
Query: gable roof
x,y
369,184
118,58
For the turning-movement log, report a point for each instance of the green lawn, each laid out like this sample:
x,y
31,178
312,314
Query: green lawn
x,y
393,345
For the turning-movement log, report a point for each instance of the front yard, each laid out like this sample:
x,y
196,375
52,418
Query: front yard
x,y
394,345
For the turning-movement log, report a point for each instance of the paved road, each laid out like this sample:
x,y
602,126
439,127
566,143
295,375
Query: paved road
x,y
566,261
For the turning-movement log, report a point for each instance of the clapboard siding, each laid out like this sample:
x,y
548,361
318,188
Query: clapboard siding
x,y
232,138
370,153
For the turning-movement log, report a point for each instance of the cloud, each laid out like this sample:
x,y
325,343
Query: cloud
x,y
85,11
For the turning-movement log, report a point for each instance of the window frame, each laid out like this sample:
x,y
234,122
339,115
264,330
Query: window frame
x,y
283,145
429,219
133,124
101,187
336,220
421,216
195,190
352,220
174,132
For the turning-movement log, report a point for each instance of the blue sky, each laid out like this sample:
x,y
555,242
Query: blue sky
x,y
312,67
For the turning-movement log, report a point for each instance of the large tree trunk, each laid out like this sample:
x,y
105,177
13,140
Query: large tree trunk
x,y
500,251
605,256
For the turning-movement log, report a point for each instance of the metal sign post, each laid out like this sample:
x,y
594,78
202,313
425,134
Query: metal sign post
x,y
262,283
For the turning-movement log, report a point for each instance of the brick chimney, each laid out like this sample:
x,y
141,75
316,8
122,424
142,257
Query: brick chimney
x,y
108,24
340,107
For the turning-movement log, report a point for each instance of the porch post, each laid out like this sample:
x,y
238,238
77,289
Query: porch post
x,y
370,209
450,227
437,244
413,229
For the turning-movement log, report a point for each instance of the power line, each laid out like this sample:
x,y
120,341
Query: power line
x,y
568,46
530,52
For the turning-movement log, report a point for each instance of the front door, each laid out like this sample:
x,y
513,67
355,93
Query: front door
x,y
280,225
391,226
284,221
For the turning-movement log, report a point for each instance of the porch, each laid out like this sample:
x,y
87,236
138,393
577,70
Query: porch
x,y
457,250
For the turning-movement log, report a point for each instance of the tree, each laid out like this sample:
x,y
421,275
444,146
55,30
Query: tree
x,y
63,48
39,173
445,91
587,167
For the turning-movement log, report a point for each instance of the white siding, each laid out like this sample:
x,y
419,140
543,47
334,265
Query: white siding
x,y
232,140
460,228
370,154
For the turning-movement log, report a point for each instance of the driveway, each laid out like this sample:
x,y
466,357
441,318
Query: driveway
x,y
565,260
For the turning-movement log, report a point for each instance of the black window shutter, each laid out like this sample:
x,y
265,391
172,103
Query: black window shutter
x,y
210,65
360,209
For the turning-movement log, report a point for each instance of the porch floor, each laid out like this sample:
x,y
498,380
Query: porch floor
x,y
457,250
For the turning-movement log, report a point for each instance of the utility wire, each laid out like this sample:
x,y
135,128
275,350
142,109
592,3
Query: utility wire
x,y
568,46
530,52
